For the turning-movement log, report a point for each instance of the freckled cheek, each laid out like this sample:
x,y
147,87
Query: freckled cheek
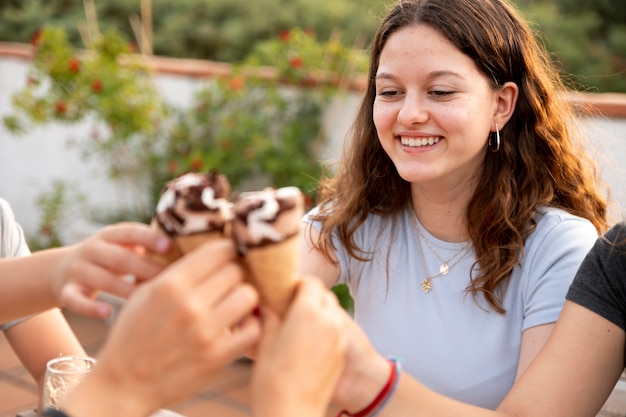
x,y
384,117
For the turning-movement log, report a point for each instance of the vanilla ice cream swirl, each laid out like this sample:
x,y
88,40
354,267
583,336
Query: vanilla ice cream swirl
x,y
267,216
195,203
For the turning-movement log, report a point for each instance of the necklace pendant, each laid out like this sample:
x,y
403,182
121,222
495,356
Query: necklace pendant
x,y
444,268
426,285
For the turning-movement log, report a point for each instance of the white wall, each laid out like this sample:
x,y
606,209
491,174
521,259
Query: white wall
x,y
29,164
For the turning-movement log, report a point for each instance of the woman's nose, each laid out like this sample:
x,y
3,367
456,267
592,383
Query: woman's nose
x,y
413,111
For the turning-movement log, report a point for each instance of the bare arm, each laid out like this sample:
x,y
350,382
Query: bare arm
x,y
533,340
72,276
572,376
575,371
41,338
313,262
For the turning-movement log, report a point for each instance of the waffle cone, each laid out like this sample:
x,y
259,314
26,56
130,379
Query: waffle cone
x,y
187,243
273,270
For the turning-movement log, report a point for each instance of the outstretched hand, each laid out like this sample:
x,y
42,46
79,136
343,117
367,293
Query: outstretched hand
x,y
102,262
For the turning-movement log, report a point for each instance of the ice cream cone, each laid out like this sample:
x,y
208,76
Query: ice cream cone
x,y
187,243
193,209
265,228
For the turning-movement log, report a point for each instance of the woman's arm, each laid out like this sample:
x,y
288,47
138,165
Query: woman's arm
x,y
72,276
40,338
313,262
576,370
533,340
572,376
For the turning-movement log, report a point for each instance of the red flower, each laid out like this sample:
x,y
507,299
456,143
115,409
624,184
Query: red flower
x,y
96,85
296,62
60,106
285,35
172,166
132,47
236,83
74,65
196,164
36,38
46,230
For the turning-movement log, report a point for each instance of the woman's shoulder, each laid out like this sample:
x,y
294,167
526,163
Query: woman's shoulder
x,y
556,227
550,217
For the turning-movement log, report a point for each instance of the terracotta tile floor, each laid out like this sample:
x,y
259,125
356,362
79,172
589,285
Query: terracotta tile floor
x,y
226,396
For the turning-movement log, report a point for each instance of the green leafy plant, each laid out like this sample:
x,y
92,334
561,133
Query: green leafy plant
x,y
103,83
55,206
257,129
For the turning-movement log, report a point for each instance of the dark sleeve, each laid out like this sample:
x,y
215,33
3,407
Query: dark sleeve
x,y
600,283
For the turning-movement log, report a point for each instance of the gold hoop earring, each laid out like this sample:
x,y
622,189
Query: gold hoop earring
x,y
494,145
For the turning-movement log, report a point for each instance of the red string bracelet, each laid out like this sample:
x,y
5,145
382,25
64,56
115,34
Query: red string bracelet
x,y
382,395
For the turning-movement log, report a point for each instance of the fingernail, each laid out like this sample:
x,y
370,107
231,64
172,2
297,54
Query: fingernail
x,y
162,244
104,311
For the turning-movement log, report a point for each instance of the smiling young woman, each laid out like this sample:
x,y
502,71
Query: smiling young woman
x,y
464,202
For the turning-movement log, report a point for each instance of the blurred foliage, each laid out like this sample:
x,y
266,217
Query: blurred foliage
x,y
55,206
587,37
250,126
208,29
69,85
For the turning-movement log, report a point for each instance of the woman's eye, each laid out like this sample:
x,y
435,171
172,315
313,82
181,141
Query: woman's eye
x,y
388,93
440,93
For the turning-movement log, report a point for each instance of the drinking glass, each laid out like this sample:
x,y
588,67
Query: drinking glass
x,y
63,374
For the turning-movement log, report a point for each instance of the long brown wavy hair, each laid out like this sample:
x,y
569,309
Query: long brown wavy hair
x,y
541,162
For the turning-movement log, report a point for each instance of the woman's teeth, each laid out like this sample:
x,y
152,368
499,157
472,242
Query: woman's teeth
x,y
417,142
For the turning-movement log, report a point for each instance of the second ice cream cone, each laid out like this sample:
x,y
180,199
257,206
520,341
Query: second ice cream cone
x,y
272,269
265,227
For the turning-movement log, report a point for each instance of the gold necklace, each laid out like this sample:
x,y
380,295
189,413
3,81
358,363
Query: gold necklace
x,y
445,266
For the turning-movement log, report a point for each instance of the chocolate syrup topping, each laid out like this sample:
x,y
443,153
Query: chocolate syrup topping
x,y
194,203
267,217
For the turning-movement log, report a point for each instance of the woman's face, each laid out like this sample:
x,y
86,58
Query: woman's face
x,y
433,109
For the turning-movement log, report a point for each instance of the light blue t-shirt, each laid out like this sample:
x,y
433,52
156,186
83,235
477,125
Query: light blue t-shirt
x,y
12,242
446,339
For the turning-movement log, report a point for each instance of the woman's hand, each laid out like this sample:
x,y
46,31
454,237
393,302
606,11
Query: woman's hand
x,y
100,263
365,373
300,359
